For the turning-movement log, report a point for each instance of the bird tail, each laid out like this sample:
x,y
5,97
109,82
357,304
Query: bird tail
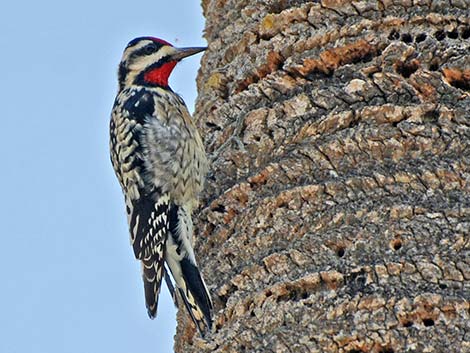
x,y
171,288
152,272
195,296
181,261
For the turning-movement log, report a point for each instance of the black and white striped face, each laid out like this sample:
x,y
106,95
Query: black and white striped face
x,y
149,61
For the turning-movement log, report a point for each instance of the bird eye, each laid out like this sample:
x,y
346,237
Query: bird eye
x,y
151,48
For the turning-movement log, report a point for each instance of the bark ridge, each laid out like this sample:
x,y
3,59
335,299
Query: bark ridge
x,y
337,212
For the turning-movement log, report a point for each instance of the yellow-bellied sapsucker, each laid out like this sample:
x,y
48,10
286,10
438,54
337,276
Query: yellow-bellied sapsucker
x,y
159,159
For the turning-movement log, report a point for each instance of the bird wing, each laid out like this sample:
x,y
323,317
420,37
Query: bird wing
x,y
149,228
147,205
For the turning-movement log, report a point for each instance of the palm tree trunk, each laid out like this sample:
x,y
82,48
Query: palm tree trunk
x,y
337,213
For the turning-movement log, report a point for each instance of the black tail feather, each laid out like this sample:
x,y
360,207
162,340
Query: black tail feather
x,y
171,288
198,289
184,270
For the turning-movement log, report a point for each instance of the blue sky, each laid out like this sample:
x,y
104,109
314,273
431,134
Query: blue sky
x,y
69,279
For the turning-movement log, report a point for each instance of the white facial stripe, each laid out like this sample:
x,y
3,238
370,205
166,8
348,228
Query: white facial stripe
x,y
137,46
147,60
137,65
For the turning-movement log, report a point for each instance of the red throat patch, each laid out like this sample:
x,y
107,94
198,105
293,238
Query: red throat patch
x,y
159,76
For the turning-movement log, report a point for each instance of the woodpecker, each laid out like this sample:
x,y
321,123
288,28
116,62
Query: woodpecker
x,y
160,162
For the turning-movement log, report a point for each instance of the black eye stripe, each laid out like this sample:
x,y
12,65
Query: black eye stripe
x,y
148,49
151,48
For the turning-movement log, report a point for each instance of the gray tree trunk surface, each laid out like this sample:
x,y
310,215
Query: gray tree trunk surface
x,y
336,217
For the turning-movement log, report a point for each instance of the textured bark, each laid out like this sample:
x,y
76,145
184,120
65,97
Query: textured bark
x,y
337,213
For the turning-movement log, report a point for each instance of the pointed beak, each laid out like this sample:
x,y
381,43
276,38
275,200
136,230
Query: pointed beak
x,y
181,53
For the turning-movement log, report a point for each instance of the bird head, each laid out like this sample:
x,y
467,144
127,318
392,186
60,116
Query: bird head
x,y
149,61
